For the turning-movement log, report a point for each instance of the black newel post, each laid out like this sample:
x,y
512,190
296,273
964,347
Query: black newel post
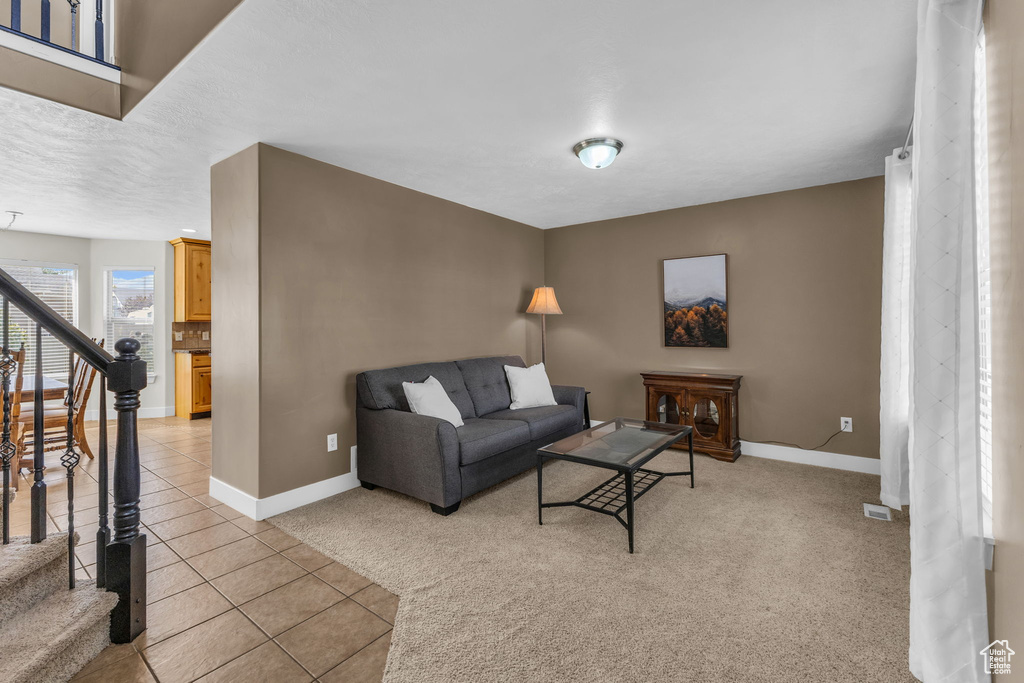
x,y
126,554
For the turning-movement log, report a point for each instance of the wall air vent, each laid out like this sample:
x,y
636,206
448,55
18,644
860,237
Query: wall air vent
x,y
877,512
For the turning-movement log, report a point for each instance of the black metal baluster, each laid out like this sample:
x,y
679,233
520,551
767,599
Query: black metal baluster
x,y
44,20
38,485
69,460
74,24
103,533
126,554
99,29
6,447
16,15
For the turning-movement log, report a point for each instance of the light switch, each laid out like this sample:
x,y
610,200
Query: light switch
x,y
206,335
178,336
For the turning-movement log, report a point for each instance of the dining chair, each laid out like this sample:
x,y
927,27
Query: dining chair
x,y
55,420
15,397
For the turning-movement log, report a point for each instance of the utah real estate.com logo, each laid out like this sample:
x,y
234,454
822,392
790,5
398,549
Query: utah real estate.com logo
x,y
997,657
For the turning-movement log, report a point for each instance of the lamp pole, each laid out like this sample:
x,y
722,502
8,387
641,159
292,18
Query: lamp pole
x,y
544,302
544,339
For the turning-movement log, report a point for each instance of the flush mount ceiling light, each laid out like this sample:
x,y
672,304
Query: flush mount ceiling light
x,y
597,152
187,230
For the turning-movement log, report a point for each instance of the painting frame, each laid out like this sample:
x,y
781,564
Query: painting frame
x,y
690,283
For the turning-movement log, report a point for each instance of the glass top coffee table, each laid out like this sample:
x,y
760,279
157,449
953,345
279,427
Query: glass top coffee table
x,y
623,445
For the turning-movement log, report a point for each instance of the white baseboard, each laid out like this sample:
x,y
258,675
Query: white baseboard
x,y
144,412
261,508
836,461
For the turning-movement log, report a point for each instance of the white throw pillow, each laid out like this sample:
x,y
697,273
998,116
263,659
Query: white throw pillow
x,y
530,387
429,398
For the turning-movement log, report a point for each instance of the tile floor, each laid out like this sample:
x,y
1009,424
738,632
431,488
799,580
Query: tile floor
x,y
229,599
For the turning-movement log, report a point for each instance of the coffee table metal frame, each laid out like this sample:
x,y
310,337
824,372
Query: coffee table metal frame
x,y
619,493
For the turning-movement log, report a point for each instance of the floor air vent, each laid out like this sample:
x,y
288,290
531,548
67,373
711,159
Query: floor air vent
x,y
877,512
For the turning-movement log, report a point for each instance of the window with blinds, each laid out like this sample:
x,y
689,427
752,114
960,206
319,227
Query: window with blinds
x,y
130,299
984,285
57,285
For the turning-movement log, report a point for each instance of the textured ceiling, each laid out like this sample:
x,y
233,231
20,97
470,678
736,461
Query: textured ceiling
x,y
480,102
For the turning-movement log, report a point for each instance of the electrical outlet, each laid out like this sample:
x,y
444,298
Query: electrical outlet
x,y
332,442
206,335
846,424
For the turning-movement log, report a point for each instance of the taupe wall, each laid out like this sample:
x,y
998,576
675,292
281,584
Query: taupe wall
x,y
235,218
38,77
152,37
1005,26
804,289
354,273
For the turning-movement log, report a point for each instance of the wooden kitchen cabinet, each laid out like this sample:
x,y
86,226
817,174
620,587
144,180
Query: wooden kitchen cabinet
x,y
708,403
193,394
193,372
193,263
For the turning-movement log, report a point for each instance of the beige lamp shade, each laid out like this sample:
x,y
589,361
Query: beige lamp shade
x,y
544,302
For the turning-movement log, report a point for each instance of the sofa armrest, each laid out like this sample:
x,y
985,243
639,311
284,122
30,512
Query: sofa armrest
x,y
570,396
413,454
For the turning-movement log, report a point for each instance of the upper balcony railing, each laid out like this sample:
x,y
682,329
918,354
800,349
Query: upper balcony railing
x,y
77,27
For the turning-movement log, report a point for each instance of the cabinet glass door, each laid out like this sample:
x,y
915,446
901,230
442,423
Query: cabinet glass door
x,y
706,417
668,409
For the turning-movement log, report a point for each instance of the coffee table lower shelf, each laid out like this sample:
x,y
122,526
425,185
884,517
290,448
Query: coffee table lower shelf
x,y
610,497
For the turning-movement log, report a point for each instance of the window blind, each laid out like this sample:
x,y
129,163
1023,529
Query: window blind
x,y
57,286
981,221
130,300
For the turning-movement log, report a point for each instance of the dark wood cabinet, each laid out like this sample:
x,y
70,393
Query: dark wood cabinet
x,y
708,403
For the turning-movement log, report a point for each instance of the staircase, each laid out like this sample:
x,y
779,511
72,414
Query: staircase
x,y
50,625
49,632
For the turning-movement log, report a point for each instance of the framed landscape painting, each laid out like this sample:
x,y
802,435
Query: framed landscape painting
x,y
696,307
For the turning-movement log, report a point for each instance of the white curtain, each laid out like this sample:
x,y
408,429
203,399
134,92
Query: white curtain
x,y
894,416
948,622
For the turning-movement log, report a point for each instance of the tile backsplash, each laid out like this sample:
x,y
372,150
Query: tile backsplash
x,y
190,336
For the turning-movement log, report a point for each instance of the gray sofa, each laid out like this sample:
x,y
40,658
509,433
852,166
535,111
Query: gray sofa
x,y
428,458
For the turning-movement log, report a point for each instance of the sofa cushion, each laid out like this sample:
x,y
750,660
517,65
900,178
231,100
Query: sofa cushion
x,y
486,381
430,398
530,387
480,439
542,421
381,389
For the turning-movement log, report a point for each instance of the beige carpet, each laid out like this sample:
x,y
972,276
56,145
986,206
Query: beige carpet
x,y
767,571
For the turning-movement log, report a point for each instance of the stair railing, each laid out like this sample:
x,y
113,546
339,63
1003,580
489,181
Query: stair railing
x,y
88,35
120,556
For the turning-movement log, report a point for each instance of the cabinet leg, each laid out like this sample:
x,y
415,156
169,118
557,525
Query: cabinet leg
x,y
689,442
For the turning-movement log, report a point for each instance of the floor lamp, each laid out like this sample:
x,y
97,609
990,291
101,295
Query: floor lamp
x,y
544,304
